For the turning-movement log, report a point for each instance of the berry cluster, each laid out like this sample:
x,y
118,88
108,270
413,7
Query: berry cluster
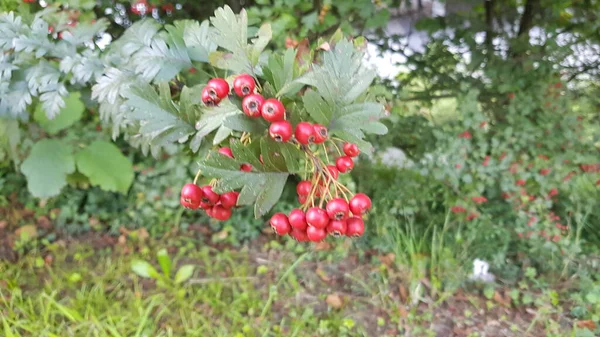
x,y
217,206
338,212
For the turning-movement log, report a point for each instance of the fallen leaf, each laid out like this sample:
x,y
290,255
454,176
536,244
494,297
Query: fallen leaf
x,y
322,246
222,235
122,240
43,222
402,312
324,46
588,324
403,293
387,259
334,301
29,230
323,275
3,224
93,221
505,301
48,259
143,234
303,51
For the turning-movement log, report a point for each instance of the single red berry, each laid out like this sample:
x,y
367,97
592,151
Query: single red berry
x,y
360,204
355,227
335,173
281,131
221,213
272,110
351,149
304,187
191,196
218,88
229,199
280,224
244,85
457,209
302,199
226,151
208,99
520,182
337,209
209,197
299,235
545,171
344,164
320,133
50,29
305,133
297,219
317,217
209,211
246,167
252,105
315,234
337,227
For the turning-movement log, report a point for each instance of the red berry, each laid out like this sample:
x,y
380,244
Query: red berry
x,y
302,199
320,133
355,227
360,204
244,85
335,173
208,99
305,133
229,199
344,164
280,224
315,234
209,196
281,131
252,105
218,88
246,167
317,217
191,196
272,110
337,227
304,187
226,151
351,149
337,209
209,211
299,235
221,213
297,219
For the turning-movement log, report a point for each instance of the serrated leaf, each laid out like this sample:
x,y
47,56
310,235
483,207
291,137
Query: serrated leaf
x,y
184,273
68,115
213,118
53,100
47,167
164,58
197,39
317,107
105,166
244,123
263,36
280,72
231,31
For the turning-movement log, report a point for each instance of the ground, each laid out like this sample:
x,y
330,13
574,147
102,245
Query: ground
x,y
86,287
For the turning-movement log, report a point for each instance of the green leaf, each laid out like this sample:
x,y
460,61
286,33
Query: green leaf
x,y
68,115
164,261
263,36
144,269
105,166
160,118
280,71
214,118
244,123
184,273
47,167
10,137
317,108
197,39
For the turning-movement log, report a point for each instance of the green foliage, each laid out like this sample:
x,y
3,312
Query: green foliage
x,y
69,114
47,167
105,166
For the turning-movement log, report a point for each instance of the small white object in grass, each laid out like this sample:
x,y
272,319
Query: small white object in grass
x,y
481,272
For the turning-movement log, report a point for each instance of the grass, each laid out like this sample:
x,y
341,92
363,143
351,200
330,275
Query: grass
x,y
267,288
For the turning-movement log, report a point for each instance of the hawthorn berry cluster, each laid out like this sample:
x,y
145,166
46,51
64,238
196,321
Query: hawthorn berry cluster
x,y
327,206
217,206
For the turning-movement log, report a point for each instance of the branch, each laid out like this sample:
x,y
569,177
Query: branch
x,y
489,21
526,21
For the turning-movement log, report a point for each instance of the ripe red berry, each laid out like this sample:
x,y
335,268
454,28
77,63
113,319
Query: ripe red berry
x,y
208,99
297,219
355,227
315,234
218,88
360,204
272,110
226,151
317,217
335,173
320,133
244,85
252,104
221,213
351,149
246,167
191,196
209,211
344,164
281,131
304,187
305,133
337,209
302,199
280,224
299,235
229,199
209,197
337,227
